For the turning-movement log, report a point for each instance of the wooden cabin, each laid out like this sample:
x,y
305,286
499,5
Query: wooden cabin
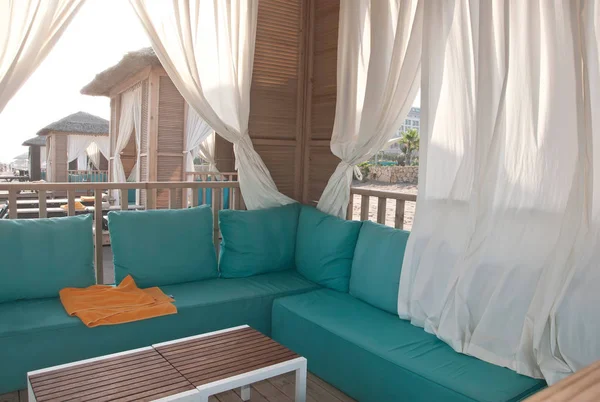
x,y
292,102
57,137
37,157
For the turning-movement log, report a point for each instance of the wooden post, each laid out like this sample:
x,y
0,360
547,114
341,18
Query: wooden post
x,y
12,204
71,202
381,209
350,209
151,198
216,201
364,207
194,197
43,212
237,198
98,262
173,198
124,199
399,220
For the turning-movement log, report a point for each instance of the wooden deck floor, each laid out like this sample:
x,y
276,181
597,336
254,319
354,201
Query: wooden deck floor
x,y
277,389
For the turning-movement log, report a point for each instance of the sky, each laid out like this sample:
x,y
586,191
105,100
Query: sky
x,y
97,38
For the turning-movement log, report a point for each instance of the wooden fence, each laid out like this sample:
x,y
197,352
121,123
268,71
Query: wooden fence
x,y
42,189
382,197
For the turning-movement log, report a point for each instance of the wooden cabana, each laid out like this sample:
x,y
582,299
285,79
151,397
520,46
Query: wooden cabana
x,y
57,135
292,108
37,157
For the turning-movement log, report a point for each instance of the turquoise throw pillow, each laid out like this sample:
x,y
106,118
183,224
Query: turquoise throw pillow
x,y
325,248
258,241
377,264
163,247
39,257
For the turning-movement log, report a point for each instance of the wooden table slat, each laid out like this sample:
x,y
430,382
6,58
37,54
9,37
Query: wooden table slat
x,y
234,350
95,364
208,340
213,346
105,377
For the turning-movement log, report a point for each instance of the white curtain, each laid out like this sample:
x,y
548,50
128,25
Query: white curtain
x,y
378,70
502,180
206,150
93,152
130,121
100,146
49,160
29,29
207,48
77,146
197,132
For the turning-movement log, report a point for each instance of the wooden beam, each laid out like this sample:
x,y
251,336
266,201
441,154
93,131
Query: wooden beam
x,y
71,202
12,204
364,207
124,199
216,202
350,209
153,100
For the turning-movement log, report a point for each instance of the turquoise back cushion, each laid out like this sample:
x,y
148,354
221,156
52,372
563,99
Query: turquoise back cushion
x,y
377,264
163,247
325,248
259,241
39,257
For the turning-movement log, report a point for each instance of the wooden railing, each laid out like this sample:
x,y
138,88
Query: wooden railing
x,y
87,176
206,176
382,197
42,189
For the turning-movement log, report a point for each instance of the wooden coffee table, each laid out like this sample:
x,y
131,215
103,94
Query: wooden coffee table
x,y
187,369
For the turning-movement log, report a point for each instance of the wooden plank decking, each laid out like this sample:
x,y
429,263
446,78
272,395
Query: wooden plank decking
x,y
277,389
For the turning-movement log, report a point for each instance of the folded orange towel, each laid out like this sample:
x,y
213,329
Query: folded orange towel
x,y
107,305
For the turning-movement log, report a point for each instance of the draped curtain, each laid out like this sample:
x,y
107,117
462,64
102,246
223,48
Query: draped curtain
x,y
100,146
129,121
197,132
29,29
77,146
207,48
206,150
508,194
378,70
49,160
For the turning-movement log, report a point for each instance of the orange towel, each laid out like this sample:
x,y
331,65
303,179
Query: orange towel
x,y
108,305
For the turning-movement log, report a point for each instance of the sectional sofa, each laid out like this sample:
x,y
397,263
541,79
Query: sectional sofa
x,y
324,287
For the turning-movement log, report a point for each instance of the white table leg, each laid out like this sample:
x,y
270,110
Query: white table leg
x,y
245,392
202,397
301,384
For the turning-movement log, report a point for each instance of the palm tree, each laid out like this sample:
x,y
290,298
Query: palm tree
x,y
410,143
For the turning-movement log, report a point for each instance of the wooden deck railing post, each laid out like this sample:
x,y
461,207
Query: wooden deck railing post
x,y
399,219
194,197
43,213
216,202
381,210
98,250
173,198
13,213
350,209
71,202
364,207
124,195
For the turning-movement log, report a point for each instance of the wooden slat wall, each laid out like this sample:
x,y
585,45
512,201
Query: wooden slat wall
x,y
276,97
319,162
170,141
59,157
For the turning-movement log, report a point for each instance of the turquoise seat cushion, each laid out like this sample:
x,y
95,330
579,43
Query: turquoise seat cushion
x,y
163,247
374,356
325,248
258,241
38,333
39,257
377,264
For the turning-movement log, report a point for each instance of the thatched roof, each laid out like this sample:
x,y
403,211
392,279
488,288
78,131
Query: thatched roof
x,y
130,64
37,141
80,123
21,157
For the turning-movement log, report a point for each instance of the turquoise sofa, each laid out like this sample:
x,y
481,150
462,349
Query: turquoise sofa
x,y
324,287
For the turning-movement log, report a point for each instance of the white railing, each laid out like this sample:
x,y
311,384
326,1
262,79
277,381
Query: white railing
x,y
87,176
151,188
382,198
211,176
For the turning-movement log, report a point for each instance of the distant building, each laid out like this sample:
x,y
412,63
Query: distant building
x,y
413,120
